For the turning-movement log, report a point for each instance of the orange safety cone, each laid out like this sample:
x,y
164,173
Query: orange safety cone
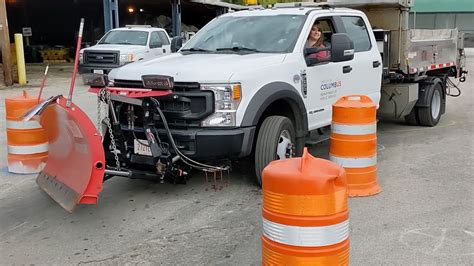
x,y
27,143
304,213
353,143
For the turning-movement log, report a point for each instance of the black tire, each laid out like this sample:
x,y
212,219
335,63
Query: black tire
x,y
425,114
267,142
411,118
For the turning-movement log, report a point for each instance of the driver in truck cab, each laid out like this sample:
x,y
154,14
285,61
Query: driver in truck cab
x,y
316,40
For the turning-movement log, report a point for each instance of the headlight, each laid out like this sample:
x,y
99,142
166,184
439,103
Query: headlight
x,y
126,58
227,99
81,57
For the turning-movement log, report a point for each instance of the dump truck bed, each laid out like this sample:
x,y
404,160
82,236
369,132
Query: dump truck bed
x,y
426,50
411,51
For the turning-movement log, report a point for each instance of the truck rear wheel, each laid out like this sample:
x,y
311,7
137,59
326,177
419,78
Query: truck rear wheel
x,y
275,141
430,115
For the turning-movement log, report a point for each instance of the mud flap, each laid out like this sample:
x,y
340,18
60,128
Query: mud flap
x,y
75,167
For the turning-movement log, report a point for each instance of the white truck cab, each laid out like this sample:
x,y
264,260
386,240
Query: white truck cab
x,y
121,46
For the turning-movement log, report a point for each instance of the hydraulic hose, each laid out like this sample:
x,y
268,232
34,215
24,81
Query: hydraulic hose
x,y
450,84
184,158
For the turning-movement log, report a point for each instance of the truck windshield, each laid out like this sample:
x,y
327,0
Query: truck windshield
x,y
253,34
127,37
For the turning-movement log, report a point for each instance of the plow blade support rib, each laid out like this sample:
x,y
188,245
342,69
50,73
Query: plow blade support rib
x,y
74,170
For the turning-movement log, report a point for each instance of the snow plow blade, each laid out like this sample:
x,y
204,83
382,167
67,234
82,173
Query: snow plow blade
x,y
75,167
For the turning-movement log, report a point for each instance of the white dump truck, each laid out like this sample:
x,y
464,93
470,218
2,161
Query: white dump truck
x,y
246,85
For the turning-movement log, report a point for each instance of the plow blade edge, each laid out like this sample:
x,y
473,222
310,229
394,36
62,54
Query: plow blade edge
x,y
74,170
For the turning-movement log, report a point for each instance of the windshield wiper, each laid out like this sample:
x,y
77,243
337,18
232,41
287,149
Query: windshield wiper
x,y
238,49
196,50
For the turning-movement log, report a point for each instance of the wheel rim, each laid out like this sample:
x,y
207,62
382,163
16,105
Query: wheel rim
x,y
285,145
435,104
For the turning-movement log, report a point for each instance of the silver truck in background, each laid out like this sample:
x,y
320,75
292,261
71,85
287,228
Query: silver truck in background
x,y
417,63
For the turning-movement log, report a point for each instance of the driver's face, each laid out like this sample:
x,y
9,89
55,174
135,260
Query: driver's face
x,y
315,33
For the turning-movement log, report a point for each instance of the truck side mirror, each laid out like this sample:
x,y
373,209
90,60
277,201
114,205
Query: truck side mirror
x,y
311,60
342,48
176,43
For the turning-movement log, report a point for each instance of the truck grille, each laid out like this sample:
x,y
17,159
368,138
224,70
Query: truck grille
x,y
186,107
101,57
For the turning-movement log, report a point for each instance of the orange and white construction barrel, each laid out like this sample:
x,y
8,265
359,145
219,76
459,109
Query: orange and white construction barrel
x,y
305,215
27,143
353,143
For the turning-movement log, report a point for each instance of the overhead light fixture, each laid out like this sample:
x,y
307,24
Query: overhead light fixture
x,y
131,10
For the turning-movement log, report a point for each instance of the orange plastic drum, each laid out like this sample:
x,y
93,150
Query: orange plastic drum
x,y
304,213
27,143
354,143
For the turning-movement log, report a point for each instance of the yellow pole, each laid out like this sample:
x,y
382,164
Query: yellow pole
x,y
20,59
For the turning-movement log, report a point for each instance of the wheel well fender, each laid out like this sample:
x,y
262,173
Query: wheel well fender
x,y
272,93
424,92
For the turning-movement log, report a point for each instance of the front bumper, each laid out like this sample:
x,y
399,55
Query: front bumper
x,y
86,68
213,143
198,144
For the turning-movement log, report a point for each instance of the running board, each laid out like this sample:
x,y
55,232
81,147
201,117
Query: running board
x,y
318,136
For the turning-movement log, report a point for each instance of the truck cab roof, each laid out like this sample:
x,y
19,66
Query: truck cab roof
x,y
137,27
289,10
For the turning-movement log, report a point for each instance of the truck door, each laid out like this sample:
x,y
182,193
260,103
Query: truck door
x,y
165,40
366,68
326,80
156,46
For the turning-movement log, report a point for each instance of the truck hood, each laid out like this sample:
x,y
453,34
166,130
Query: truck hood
x,y
197,67
124,49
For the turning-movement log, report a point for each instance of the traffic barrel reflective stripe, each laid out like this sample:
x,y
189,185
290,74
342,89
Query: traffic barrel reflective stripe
x,y
354,162
304,214
40,148
353,143
32,124
27,143
354,130
306,236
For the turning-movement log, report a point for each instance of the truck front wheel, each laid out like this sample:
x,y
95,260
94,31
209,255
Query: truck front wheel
x,y
430,115
275,141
